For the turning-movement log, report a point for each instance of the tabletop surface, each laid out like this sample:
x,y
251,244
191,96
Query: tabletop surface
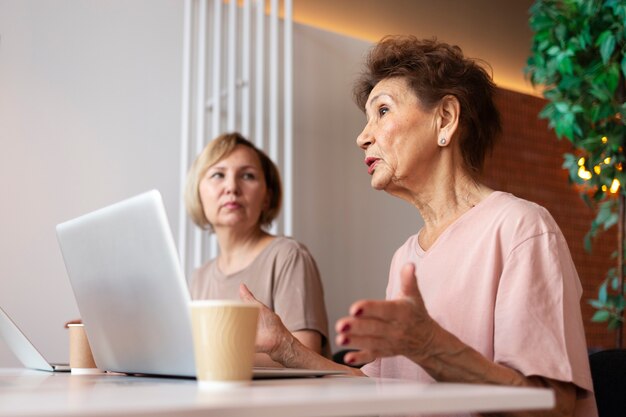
x,y
37,393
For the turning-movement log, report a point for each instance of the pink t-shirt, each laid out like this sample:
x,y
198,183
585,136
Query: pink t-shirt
x,y
501,279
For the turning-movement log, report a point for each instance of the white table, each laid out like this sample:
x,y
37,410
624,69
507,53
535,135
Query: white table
x,y
34,393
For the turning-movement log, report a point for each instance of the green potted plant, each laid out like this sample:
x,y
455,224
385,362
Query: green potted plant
x,y
579,59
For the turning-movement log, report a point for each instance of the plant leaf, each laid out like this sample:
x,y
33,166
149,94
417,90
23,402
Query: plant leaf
x,y
606,43
600,316
611,221
602,293
614,323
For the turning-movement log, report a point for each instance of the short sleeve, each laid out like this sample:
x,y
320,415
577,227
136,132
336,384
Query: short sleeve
x,y
538,324
298,294
372,369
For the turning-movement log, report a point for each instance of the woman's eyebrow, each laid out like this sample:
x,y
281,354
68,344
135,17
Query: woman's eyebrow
x,y
372,100
237,168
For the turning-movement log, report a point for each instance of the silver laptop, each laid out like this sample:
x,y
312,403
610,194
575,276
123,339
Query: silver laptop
x,y
23,349
132,295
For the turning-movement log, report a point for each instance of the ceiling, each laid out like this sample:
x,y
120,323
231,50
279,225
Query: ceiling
x,y
495,31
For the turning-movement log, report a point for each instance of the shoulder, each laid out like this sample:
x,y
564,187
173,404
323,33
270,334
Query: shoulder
x,y
291,260
285,248
284,253
200,279
203,270
519,216
409,247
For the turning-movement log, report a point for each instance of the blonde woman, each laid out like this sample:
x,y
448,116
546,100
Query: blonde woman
x,y
234,190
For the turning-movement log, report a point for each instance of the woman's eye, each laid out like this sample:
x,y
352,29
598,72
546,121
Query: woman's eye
x,y
217,175
248,176
383,110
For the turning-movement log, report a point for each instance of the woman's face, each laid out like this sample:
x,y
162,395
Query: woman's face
x,y
400,137
233,190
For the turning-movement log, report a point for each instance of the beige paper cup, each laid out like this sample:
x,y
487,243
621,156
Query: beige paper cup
x,y
81,359
224,332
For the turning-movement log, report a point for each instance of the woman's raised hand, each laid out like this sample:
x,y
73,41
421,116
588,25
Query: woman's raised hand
x,y
271,332
401,326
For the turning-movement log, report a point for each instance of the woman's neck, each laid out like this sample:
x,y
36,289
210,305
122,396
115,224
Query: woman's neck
x,y
239,248
445,201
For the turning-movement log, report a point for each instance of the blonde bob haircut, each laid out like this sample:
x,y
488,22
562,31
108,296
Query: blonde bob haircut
x,y
216,150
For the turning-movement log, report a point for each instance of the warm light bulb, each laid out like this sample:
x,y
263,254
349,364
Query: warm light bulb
x,y
584,174
607,160
597,169
605,139
618,166
604,188
581,162
614,186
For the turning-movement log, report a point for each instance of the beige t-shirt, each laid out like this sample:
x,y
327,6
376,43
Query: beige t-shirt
x,y
502,280
283,276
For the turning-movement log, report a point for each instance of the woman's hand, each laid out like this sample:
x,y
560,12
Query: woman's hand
x,y
387,328
271,332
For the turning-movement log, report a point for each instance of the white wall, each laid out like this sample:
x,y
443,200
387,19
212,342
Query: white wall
x,y
90,95
351,229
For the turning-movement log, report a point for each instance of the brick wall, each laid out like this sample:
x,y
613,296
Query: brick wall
x,y
527,162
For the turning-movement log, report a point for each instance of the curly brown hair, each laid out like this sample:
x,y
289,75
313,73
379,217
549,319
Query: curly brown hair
x,y
434,70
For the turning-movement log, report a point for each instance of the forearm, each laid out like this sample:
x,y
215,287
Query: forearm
x,y
310,339
291,353
450,360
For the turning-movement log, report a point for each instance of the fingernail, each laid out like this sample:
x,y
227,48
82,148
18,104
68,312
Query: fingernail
x,y
358,312
350,361
345,341
345,328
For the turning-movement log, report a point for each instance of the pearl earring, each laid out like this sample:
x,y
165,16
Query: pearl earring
x,y
442,141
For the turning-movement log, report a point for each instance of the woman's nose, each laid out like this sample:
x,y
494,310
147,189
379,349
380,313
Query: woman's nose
x,y
365,139
231,184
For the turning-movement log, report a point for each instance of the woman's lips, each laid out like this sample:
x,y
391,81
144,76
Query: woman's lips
x,y
232,205
371,163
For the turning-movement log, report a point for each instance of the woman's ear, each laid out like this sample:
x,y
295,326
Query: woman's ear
x,y
449,113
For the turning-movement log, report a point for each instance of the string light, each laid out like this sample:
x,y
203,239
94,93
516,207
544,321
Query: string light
x,y
584,174
605,139
614,186
597,169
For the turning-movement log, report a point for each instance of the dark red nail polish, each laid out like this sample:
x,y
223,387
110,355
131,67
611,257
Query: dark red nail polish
x,y
350,361
358,312
345,341
345,328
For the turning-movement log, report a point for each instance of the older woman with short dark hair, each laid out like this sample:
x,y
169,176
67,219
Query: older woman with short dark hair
x,y
233,190
486,291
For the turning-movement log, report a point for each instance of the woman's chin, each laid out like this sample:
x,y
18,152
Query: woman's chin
x,y
379,182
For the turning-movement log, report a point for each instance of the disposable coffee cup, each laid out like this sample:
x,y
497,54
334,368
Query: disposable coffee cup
x,y
81,358
224,332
